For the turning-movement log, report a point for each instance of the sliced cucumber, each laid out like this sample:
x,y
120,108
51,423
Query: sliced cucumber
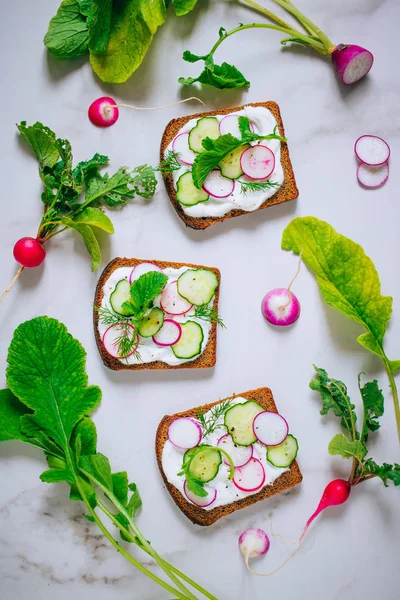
x,y
284,454
230,165
197,286
151,323
187,193
239,422
121,294
205,127
205,465
190,342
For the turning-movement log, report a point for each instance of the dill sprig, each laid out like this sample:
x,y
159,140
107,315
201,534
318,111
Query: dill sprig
x,y
128,338
247,187
210,314
209,424
170,163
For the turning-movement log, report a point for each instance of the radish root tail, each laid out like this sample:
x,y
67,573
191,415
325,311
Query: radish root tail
x,y
17,274
289,558
157,107
292,282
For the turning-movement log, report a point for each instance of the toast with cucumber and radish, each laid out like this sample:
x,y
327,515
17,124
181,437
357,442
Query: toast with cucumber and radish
x,y
227,163
221,457
151,314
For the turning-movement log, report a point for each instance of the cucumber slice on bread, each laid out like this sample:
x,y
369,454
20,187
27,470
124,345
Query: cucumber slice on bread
x,y
151,323
205,127
197,286
187,193
284,454
190,342
230,165
239,422
205,464
121,294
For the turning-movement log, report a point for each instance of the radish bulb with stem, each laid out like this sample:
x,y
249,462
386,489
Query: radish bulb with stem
x,y
280,306
335,493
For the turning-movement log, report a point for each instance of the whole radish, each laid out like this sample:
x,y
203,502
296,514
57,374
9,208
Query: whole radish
x,y
103,112
280,306
29,252
336,492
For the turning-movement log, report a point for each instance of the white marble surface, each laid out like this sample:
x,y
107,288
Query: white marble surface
x,y
46,550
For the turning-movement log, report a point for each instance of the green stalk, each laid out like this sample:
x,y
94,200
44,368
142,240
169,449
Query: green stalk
x,y
268,14
395,393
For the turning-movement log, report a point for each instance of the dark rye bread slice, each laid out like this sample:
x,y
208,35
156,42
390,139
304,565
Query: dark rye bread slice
x,y
206,360
288,191
201,516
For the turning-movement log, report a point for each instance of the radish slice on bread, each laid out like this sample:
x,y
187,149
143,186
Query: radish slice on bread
x,y
110,341
230,124
171,302
372,150
141,269
180,146
250,477
240,455
184,433
372,177
217,185
270,428
169,334
258,162
198,500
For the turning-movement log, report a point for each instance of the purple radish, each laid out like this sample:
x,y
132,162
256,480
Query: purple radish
x,y
372,150
230,124
351,62
141,269
172,303
180,146
280,307
199,501
169,334
110,341
372,177
240,455
336,492
217,185
257,162
252,544
251,477
103,112
185,433
270,428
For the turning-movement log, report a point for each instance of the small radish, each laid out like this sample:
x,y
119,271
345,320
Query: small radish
x,y
250,477
351,62
169,334
141,269
270,428
240,455
29,252
230,124
199,501
372,177
257,162
336,492
253,543
280,307
180,146
185,433
217,185
172,303
111,337
103,112
372,150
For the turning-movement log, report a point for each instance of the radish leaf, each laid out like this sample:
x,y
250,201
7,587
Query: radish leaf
x,y
340,445
100,25
42,141
95,218
183,7
220,76
89,239
385,472
373,402
68,33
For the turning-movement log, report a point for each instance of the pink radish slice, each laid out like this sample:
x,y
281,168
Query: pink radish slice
x,y
109,341
141,269
280,307
240,455
198,500
169,334
103,112
217,185
351,62
270,428
184,433
372,177
180,146
250,477
171,302
230,124
372,150
257,162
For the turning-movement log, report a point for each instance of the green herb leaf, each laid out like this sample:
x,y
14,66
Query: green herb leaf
x,y
385,472
340,445
42,141
248,187
373,402
68,35
224,76
207,312
95,218
145,289
89,239
183,7
100,25
209,424
195,486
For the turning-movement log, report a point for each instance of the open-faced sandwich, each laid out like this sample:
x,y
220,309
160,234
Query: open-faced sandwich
x,y
220,457
156,315
233,161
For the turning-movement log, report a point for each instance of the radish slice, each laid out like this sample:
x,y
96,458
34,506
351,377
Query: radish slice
x,y
251,477
270,428
141,269
217,185
184,433
198,500
169,334
110,341
180,146
372,177
230,124
240,455
280,307
351,62
257,162
103,112
372,150
171,302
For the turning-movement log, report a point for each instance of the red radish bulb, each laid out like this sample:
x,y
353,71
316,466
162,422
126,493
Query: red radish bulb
x,y
280,307
29,252
253,543
351,62
103,112
336,492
